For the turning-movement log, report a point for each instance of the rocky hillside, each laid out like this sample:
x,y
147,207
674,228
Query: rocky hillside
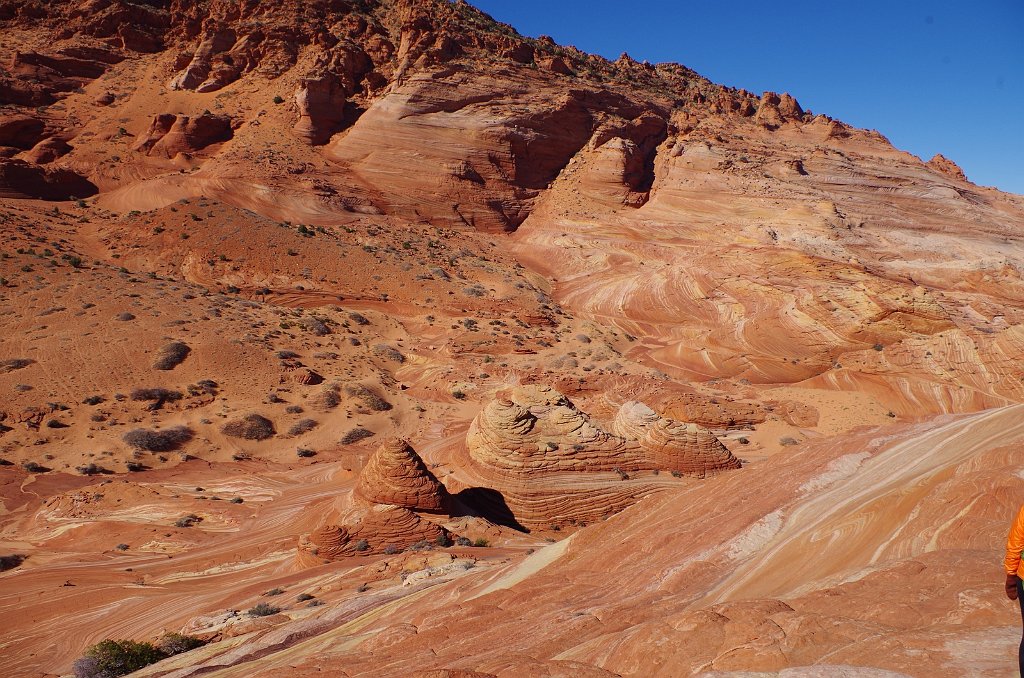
x,y
490,357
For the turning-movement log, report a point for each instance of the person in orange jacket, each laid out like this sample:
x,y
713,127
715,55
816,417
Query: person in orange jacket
x,y
1014,587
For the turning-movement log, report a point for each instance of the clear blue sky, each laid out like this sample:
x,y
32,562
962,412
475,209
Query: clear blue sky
x,y
934,76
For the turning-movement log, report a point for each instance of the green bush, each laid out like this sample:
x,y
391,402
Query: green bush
x,y
116,658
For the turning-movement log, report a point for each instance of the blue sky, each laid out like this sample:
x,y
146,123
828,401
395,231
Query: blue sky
x,y
934,76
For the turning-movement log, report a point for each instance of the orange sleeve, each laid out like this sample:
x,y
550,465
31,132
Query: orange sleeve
x,y
1015,544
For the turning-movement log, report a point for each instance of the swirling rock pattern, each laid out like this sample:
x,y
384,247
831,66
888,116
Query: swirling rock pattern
x,y
677,446
366,529
533,430
552,464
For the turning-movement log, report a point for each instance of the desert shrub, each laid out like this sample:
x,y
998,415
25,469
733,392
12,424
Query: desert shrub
x,y
463,541
110,658
303,597
263,610
10,562
33,467
304,452
171,356
392,549
327,399
358,318
237,500
315,326
878,347
124,317
91,469
274,592
250,427
188,521
303,426
93,400
443,540
458,394
286,355
121,547
421,545
294,409
362,545
55,423
12,364
788,441
368,397
388,353
278,99
355,435
158,441
481,542
155,396
135,467
176,643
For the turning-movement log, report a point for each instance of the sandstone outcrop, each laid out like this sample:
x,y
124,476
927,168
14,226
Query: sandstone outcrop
x,y
169,134
534,430
672,445
947,167
381,514
365,528
552,464
24,179
20,131
396,475
48,150
321,104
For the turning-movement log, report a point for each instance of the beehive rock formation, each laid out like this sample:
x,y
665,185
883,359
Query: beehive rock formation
x,y
534,430
686,448
396,475
382,510
552,464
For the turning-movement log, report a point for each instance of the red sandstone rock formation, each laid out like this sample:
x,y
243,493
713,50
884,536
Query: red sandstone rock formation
x,y
396,475
169,134
947,166
381,513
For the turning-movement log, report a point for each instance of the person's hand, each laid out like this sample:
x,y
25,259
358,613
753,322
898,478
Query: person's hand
x,y
1011,586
